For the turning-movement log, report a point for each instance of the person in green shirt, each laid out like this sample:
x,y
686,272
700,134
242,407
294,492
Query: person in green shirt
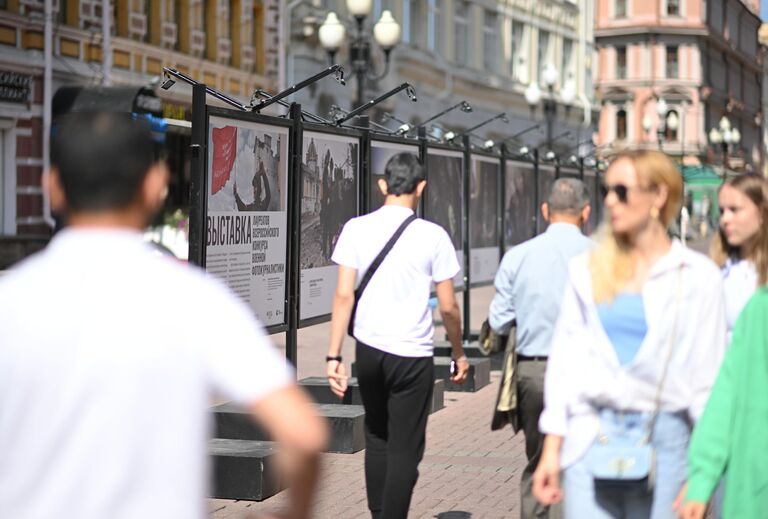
x,y
731,438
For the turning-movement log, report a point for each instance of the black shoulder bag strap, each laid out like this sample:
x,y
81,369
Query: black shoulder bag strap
x,y
372,270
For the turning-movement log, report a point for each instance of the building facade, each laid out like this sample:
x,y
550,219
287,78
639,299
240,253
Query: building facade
x,y
230,45
700,59
486,52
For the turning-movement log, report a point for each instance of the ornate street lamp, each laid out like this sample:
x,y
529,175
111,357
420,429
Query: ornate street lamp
x,y
724,135
386,32
533,94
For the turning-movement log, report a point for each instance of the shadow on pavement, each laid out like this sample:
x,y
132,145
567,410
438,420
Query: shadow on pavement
x,y
454,515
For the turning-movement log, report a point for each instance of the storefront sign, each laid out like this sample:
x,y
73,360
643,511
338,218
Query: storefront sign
x,y
14,88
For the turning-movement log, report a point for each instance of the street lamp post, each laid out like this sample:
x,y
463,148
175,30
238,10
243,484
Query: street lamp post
x,y
666,121
724,135
386,32
533,95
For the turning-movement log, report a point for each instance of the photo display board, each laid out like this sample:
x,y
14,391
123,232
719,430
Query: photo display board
x,y
247,218
483,218
381,152
519,203
546,179
569,173
445,198
329,175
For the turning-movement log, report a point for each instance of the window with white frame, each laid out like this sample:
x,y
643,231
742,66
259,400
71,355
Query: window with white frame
x,y
491,41
461,32
543,52
517,52
568,72
673,7
620,9
672,63
434,25
621,62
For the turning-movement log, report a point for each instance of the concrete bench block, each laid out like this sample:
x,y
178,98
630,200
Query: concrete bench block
x,y
320,391
347,424
244,469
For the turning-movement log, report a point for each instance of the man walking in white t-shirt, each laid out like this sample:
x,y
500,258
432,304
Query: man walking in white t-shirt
x,y
110,354
393,328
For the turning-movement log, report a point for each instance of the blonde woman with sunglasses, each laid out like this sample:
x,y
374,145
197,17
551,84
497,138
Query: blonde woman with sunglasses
x,y
635,351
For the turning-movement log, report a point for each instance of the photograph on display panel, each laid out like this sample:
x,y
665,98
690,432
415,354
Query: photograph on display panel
x,y
381,152
246,238
519,203
329,173
483,221
594,199
546,179
445,198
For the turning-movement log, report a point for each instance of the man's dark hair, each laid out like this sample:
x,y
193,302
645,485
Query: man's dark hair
x,y
101,158
403,173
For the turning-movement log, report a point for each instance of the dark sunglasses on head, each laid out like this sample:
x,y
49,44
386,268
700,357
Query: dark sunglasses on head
x,y
622,191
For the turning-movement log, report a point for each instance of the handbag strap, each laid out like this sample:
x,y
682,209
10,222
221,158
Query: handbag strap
x,y
372,270
670,350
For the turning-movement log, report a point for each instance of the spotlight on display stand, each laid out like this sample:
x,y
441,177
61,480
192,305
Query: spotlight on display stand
x,y
336,70
452,136
370,104
515,137
168,83
307,115
337,112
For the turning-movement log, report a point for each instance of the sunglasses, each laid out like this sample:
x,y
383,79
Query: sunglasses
x,y
621,191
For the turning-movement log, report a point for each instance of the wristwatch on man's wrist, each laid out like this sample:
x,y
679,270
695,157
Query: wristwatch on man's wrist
x,y
329,358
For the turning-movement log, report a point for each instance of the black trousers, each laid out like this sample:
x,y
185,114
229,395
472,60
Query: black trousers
x,y
397,395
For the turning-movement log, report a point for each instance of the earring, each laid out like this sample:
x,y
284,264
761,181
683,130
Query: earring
x,y
655,213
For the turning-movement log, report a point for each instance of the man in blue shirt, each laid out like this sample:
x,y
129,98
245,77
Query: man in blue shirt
x,y
529,286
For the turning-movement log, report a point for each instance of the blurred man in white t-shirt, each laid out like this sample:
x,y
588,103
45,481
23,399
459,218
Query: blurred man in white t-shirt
x,y
110,354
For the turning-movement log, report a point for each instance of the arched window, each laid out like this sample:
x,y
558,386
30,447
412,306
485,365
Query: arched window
x,y
621,124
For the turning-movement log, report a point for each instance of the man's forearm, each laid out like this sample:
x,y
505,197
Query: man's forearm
x,y
342,310
452,323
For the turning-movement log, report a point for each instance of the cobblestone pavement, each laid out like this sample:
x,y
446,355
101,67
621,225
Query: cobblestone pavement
x,y
467,472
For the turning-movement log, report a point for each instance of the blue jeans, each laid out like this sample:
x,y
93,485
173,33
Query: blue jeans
x,y
670,440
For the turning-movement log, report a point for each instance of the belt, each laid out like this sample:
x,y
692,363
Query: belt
x,y
526,358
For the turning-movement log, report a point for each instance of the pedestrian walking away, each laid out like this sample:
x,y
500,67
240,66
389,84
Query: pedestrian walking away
x,y
390,318
111,354
529,286
636,349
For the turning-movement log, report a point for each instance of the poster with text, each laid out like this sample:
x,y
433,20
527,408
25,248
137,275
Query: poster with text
x,y
445,198
246,239
546,179
329,173
519,203
483,219
381,152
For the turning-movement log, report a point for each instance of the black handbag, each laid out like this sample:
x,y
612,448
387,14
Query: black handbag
x,y
372,270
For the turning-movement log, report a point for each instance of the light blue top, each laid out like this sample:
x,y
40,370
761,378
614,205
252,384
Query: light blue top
x,y
530,284
624,322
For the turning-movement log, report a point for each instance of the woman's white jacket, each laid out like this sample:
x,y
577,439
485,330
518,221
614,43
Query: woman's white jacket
x,y
583,372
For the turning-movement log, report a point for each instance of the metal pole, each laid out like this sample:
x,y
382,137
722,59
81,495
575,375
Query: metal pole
x,y
197,213
106,44
47,98
294,229
536,193
465,242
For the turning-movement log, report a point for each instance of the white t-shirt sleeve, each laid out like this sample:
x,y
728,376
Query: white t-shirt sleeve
x,y
344,252
242,363
444,262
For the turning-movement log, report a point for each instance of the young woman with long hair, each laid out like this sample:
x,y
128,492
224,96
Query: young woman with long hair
x,y
740,249
635,351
